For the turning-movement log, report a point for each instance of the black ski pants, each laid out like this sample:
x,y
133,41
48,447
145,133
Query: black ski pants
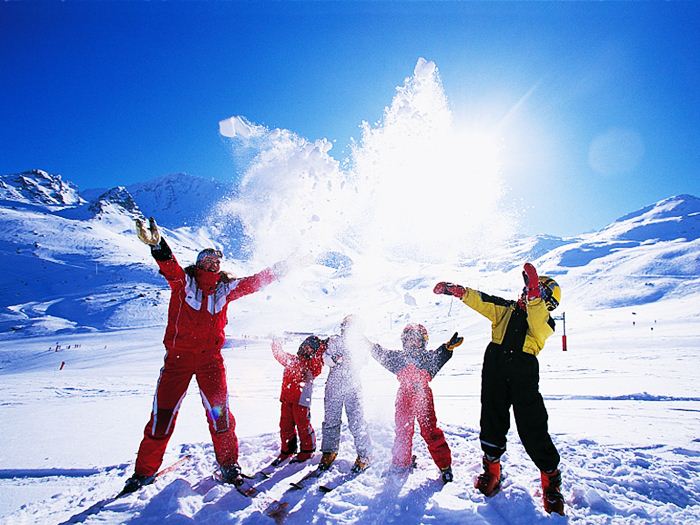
x,y
512,378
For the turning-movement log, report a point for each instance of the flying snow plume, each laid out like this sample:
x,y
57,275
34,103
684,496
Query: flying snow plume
x,y
418,188
290,197
431,190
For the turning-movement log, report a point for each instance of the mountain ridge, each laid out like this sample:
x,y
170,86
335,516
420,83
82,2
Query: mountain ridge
x,y
50,232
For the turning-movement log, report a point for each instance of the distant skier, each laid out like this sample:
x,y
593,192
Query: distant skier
x,y
344,356
193,340
415,367
510,376
297,386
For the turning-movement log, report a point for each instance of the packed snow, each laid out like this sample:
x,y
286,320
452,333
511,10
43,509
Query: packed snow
x,y
83,309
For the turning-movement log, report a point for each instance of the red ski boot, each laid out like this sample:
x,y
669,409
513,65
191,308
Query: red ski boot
x,y
489,481
551,492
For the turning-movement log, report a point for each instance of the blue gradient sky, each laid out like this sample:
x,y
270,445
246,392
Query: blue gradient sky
x,y
114,93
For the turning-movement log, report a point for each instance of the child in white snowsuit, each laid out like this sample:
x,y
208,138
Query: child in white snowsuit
x,y
344,355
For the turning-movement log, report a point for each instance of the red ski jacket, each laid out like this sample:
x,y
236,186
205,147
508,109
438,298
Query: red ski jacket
x,y
198,303
299,375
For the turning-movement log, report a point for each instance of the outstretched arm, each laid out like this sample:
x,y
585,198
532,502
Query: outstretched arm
x,y
248,285
433,361
392,361
491,307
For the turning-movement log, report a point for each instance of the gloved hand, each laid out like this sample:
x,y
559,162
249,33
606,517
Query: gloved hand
x,y
454,342
150,235
280,269
532,281
449,289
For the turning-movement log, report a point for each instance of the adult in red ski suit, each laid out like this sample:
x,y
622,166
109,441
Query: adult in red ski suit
x,y
194,336
297,386
415,367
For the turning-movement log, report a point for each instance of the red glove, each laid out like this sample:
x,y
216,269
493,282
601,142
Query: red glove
x,y
532,281
450,289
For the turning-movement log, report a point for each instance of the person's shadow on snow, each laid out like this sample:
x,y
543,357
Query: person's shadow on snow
x,y
407,509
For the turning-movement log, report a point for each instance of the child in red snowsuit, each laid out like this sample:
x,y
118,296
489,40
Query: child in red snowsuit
x,y
415,367
193,340
297,386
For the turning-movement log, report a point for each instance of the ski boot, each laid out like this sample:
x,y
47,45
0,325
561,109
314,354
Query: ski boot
x,y
489,481
447,475
302,456
231,474
361,464
551,492
135,482
282,457
327,460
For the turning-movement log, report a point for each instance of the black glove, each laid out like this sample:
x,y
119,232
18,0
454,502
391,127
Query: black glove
x,y
454,342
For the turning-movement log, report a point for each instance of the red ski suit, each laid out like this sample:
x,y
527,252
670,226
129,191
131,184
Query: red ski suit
x,y
414,400
193,340
297,387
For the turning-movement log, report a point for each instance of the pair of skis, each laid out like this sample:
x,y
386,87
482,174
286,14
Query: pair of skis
x,y
97,507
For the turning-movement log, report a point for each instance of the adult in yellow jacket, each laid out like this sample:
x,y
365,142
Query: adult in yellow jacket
x,y
510,377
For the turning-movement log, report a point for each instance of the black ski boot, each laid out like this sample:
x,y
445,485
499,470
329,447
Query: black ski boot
x,y
447,475
231,474
135,482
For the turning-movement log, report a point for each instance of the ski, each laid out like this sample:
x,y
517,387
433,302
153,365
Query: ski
x,y
97,507
344,478
261,501
160,473
268,471
310,477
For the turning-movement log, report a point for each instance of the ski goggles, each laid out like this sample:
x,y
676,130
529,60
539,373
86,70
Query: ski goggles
x,y
209,254
548,297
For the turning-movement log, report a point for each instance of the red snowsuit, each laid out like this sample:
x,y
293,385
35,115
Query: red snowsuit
x,y
414,400
297,387
193,340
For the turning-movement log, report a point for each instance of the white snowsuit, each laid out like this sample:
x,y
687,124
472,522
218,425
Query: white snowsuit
x,y
343,388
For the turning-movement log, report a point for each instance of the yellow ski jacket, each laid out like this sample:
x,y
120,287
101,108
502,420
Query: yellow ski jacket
x,y
540,324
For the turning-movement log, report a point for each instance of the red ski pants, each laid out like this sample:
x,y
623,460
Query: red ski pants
x,y
415,401
296,419
174,379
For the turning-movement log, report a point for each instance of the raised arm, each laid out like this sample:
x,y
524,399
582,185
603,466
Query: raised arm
x,y
248,285
433,361
282,357
161,252
540,324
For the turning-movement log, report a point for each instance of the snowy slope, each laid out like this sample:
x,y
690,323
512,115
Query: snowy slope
x,y
623,412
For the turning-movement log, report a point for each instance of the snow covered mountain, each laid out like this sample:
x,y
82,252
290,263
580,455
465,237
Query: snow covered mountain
x,y
76,264
641,257
38,187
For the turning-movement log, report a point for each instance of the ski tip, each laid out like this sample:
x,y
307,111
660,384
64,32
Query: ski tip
x,y
278,509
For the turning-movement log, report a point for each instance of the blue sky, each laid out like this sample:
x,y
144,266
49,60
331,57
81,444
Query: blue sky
x,y
598,103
